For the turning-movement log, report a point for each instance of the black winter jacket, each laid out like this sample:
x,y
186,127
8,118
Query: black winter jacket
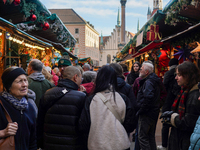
x,y
58,117
25,138
180,135
172,89
126,89
148,97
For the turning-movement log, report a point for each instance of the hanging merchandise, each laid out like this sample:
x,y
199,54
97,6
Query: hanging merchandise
x,y
153,34
184,53
33,17
130,50
16,2
163,58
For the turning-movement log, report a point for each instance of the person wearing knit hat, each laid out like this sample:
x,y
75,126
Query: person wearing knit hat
x,y
18,101
64,62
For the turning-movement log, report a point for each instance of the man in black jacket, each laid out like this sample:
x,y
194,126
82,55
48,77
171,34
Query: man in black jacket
x,y
148,103
59,112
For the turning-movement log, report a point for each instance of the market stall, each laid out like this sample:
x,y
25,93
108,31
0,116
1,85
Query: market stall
x,y
82,61
17,47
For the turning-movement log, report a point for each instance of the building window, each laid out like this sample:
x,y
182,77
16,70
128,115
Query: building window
x,y
76,51
77,41
108,58
76,30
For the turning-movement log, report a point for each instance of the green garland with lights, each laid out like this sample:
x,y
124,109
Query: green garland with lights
x,y
173,14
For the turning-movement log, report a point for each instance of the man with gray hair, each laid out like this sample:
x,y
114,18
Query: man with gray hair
x,y
148,104
59,113
86,67
36,79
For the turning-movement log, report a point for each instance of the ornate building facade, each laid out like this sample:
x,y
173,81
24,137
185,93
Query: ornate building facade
x,y
108,45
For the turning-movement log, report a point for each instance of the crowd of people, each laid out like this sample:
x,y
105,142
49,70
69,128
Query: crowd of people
x,y
75,108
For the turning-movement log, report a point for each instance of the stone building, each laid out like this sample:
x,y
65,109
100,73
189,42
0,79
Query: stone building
x,y
109,45
87,37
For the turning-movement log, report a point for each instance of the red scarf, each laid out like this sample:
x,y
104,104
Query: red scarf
x,y
179,102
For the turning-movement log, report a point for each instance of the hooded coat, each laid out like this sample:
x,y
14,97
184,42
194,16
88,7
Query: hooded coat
x,y
126,89
39,85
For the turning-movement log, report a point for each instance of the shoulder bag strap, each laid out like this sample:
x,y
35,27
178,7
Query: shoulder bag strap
x,y
6,113
108,104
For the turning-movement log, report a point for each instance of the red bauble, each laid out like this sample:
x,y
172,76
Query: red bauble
x,y
45,26
17,2
33,17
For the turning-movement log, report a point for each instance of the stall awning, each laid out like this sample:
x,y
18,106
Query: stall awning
x,y
150,46
181,34
23,34
59,47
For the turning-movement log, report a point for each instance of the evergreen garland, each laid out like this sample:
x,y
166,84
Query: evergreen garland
x,y
31,8
173,14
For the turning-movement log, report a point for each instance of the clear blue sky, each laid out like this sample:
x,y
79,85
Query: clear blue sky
x,y
103,13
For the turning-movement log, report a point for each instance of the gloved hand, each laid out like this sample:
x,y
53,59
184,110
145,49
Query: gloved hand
x,y
166,114
166,117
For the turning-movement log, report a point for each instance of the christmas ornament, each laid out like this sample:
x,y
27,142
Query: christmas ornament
x,y
16,2
45,26
4,1
185,53
33,17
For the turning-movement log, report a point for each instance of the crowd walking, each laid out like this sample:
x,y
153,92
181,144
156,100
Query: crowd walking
x,y
75,108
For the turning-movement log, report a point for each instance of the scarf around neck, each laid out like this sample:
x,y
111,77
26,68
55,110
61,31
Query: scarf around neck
x,y
17,103
179,102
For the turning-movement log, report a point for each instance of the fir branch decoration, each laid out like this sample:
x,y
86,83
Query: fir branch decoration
x,y
173,14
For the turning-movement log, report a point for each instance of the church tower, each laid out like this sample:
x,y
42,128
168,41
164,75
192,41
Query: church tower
x,y
138,26
101,42
157,4
123,3
148,13
118,19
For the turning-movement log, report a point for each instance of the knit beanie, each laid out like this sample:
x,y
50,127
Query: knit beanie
x,y
9,75
64,60
173,61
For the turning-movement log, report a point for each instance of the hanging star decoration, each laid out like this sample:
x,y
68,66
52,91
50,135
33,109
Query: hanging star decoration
x,y
197,49
184,53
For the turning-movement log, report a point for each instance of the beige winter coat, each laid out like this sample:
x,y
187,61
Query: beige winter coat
x,y
106,132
